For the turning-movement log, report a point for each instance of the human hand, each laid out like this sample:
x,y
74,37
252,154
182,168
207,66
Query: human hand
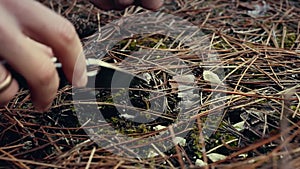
x,y
121,4
30,34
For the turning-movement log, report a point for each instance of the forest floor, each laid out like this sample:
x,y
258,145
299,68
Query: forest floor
x,y
215,84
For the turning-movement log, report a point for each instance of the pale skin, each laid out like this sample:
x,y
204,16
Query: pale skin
x,y
30,34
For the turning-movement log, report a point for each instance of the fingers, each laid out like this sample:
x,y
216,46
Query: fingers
x,y
47,27
121,4
10,91
103,4
33,60
7,93
34,64
113,4
152,5
45,48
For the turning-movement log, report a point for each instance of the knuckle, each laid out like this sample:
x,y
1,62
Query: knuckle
x,y
124,2
66,31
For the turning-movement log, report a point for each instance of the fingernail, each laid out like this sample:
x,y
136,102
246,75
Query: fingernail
x,y
80,73
82,80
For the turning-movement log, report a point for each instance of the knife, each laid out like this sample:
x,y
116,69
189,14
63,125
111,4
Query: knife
x,y
104,74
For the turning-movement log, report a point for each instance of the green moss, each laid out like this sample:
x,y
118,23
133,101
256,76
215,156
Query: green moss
x,y
293,107
221,44
134,43
289,40
215,140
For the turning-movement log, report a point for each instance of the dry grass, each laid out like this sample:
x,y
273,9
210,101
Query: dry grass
x,y
259,56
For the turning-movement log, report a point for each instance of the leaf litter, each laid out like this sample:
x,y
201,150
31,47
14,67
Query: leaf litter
x,y
258,47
